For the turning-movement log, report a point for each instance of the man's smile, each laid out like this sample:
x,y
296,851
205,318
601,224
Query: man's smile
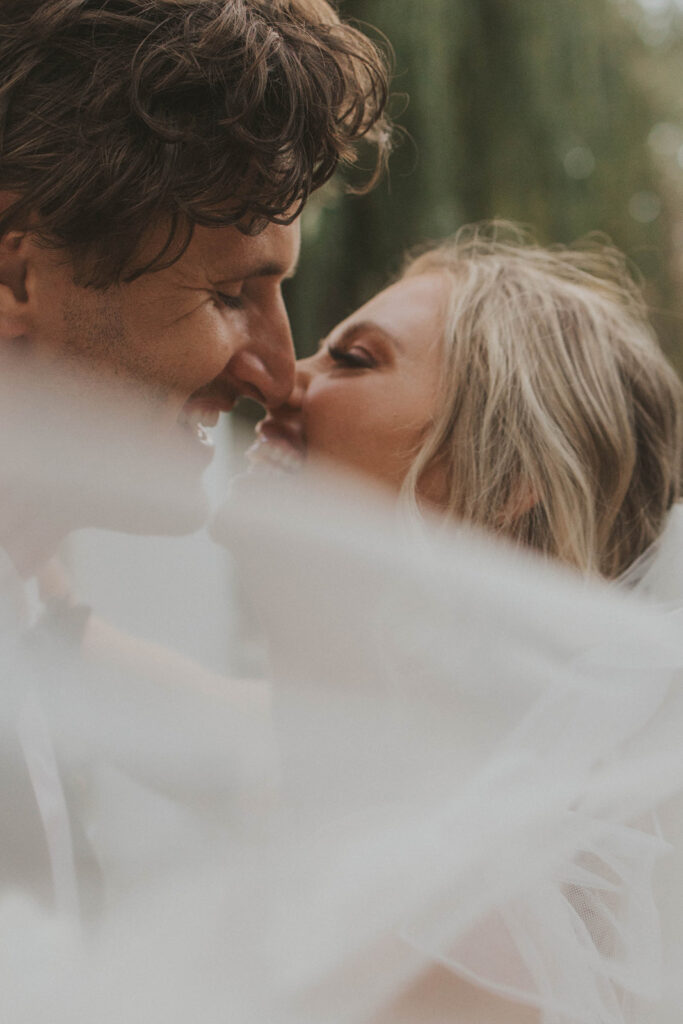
x,y
197,417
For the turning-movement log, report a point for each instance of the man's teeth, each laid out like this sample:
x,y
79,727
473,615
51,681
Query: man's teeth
x,y
272,454
198,418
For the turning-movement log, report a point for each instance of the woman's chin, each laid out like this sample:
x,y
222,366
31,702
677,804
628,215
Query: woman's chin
x,y
269,482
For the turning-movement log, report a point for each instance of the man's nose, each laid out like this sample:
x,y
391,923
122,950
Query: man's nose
x,y
266,366
303,371
293,404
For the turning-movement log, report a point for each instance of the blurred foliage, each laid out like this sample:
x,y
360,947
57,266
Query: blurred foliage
x,y
562,115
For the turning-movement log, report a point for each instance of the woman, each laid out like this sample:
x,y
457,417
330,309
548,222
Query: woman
x,y
515,388
520,390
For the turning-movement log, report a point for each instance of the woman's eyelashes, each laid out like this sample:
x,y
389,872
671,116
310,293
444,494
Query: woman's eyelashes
x,y
355,356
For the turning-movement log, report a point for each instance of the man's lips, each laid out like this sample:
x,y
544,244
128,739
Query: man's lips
x,y
197,418
200,414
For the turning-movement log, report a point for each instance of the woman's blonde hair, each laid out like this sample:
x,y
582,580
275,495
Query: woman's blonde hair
x,y
559,422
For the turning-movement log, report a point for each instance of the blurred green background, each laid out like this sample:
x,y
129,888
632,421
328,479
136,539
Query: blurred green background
x,y
566,115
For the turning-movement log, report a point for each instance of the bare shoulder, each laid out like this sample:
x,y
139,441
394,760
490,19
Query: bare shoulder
x,y
441,997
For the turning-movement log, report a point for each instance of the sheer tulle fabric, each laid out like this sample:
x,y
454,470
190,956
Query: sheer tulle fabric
x,y
533,726
464,764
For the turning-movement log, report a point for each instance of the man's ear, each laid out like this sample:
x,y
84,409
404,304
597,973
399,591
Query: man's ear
x,y
13,294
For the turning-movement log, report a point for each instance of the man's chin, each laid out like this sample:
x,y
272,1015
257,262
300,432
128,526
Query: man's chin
x,y
160,498
105,461
172,519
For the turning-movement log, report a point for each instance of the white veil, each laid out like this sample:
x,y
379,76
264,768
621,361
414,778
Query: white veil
x,y
462,765
519,724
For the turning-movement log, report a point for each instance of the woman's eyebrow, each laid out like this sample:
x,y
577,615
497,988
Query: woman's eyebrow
x,y
364,327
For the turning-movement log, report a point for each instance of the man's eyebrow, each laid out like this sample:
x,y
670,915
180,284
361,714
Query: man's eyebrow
x,y
270,269
361,328
274,269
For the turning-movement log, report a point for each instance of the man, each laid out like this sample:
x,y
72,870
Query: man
x,y
154,157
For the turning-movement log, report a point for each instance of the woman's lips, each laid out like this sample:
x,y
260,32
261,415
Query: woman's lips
x,y
274,455
277,447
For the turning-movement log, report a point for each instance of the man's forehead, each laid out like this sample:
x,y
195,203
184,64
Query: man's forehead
x,y
228,253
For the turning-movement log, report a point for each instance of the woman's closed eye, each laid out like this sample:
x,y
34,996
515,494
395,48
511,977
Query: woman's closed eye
x,y
355,356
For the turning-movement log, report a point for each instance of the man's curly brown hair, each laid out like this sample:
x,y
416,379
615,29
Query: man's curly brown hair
x,y
116,115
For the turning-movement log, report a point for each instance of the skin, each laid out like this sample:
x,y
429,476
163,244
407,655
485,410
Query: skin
x,y
120,366
365,399
215,320
439,996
